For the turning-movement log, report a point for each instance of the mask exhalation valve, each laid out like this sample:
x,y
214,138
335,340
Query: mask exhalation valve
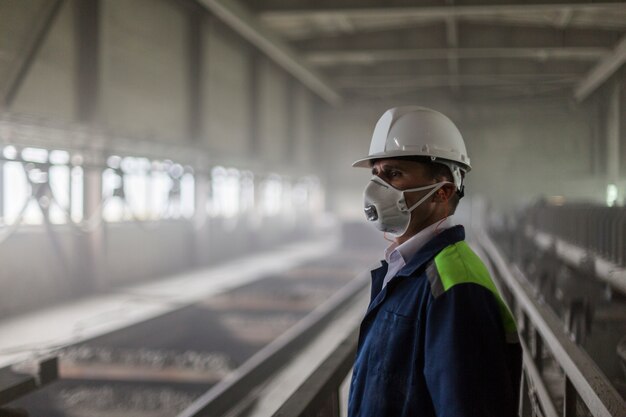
x,y
371,213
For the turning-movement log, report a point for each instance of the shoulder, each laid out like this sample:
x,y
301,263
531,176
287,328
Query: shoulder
x,y
457,264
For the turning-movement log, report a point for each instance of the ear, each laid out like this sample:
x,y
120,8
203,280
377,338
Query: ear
x,y
444,194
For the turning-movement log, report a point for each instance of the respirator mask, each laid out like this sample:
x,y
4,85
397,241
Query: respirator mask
x,y
385,206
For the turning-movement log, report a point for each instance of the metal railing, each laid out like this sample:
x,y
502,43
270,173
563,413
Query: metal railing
x,y
320,395
596,229
576,386
15,383
234,395
559,378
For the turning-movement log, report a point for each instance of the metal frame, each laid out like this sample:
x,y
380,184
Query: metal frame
x,y
243,22
14,384
582,377
602,71
195,68
612,274
40,32
319,394
245,381
87,24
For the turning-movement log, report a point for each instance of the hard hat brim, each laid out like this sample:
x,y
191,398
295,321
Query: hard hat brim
x,y
362,163
366,162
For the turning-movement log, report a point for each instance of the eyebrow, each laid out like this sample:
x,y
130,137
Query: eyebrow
x,y
388,166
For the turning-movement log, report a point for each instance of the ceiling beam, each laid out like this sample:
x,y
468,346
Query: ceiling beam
x,y
503,68
372,56
434,81
469,35
242,21
267,11
602,71
298,30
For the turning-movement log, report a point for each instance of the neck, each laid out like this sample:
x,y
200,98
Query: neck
x,y
414,231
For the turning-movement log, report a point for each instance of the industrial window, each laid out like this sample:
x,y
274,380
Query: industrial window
x,y
314,200
225,193
271,194
114,207
37,183
188,194
139,189
247,192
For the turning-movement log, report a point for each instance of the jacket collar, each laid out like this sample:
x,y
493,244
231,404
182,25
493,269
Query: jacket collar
x,y
426,253
447,237
433,247
378,276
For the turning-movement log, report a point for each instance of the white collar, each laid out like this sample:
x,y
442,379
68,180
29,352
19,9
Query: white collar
x,y
409,248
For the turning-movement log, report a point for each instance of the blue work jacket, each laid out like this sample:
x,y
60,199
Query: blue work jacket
x,y
437,340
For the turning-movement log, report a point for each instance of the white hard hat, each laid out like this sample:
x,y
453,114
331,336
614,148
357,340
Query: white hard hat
x,y
416,131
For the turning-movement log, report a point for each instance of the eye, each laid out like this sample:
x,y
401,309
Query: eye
x,y
394,174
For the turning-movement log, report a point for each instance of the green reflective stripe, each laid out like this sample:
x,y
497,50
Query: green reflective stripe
x,y
458,264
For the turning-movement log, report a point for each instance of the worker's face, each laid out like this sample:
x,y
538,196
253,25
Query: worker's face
x,y
403,175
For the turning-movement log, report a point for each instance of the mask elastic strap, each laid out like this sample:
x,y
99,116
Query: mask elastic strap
x,y
436,187
426,187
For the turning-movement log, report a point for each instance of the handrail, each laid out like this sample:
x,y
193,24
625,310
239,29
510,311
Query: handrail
x,y
596,230
607,271
319,395
231,391
582,377
15,383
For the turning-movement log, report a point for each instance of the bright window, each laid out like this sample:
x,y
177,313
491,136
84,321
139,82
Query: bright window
x,y
38,173
225,197
271,190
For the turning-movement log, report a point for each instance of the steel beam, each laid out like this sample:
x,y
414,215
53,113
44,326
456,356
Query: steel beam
x,y
22,65
194,73
87,26
254,81
613,119
380,10
595,390
369,56
474,36
431,81
602,71
245,381
247,25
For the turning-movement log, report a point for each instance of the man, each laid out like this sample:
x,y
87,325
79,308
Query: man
x,y
437,340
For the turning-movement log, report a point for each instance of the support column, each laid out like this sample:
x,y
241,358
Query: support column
x,y
1,189
201,220
194,74
94,239
87,35
291,127
253,103
612,144
90,271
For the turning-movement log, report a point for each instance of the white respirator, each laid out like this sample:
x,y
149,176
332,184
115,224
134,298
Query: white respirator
x,y
385,206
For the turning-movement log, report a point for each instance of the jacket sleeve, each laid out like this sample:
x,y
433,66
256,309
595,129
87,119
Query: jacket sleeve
x,y
465,356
